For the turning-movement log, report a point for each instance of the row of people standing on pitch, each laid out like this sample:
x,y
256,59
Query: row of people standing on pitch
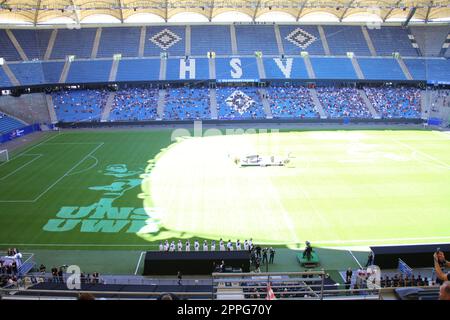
x,y
247,245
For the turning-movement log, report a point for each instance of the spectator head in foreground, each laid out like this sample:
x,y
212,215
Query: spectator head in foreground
x,y
444,292
86,296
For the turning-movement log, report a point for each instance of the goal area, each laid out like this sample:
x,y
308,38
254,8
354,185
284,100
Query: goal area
x,y
4,155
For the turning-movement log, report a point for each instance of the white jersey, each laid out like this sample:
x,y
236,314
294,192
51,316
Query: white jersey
x,y
205,247
166,247
246,246
196,246
188,246
161,247
172,247
238,246
230,246
180,246
213,247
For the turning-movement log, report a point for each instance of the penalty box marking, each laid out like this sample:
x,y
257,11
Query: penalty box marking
x,y
36,156
99,144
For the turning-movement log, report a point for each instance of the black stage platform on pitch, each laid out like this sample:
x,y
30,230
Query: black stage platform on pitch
x,y
415,256
193,262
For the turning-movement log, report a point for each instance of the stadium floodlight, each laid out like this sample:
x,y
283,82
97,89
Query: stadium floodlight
x,y
4,155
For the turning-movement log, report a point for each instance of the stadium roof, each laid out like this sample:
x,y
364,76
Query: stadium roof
x,y
42,11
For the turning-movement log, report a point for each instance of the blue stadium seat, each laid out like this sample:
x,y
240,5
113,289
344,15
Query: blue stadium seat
x,y
89,71
52,71
333,68
123,40
210,38
33,42
381,69
8,124
187,104
395,102
256,38
79,105
291,102
417,68
135,104
297,38
169,39
387,40
77,42
342,102
28,73
343,39
430,39
7,49
138,70
4,80
239,103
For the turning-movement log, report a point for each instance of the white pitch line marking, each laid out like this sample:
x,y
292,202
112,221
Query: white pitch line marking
x,y
68,172
139,262
23,166
359,264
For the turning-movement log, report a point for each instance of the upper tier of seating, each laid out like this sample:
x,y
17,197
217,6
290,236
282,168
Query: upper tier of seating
x,y
8,124
175,40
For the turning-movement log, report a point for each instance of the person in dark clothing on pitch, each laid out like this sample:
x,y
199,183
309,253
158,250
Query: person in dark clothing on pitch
x,y
308,251
264,255
272,254
369,259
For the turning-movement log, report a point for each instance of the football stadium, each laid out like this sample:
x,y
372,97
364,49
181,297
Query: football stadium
x,y
224,150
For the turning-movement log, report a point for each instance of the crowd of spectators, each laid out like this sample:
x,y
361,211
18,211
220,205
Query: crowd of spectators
x,y
239,103
79,105
395,102
135,104
186,103
342,102
291,102
9,267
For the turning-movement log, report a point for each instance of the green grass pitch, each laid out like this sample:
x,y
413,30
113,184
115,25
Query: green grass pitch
x,y
130,189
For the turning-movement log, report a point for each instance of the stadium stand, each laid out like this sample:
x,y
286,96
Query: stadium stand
x,y
79,105
123,40
301,38
291,102
381,68
342,102
52,71
387,40
33,42
239,103
134,104
430,39
77,42
210,38
8,124
138,69
400,102
256,38
333,68
4,80
89,71
7,49
187,103
28,73
169,39
343,39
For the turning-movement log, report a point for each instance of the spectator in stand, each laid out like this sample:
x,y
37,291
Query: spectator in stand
x,y
444,291
439,263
